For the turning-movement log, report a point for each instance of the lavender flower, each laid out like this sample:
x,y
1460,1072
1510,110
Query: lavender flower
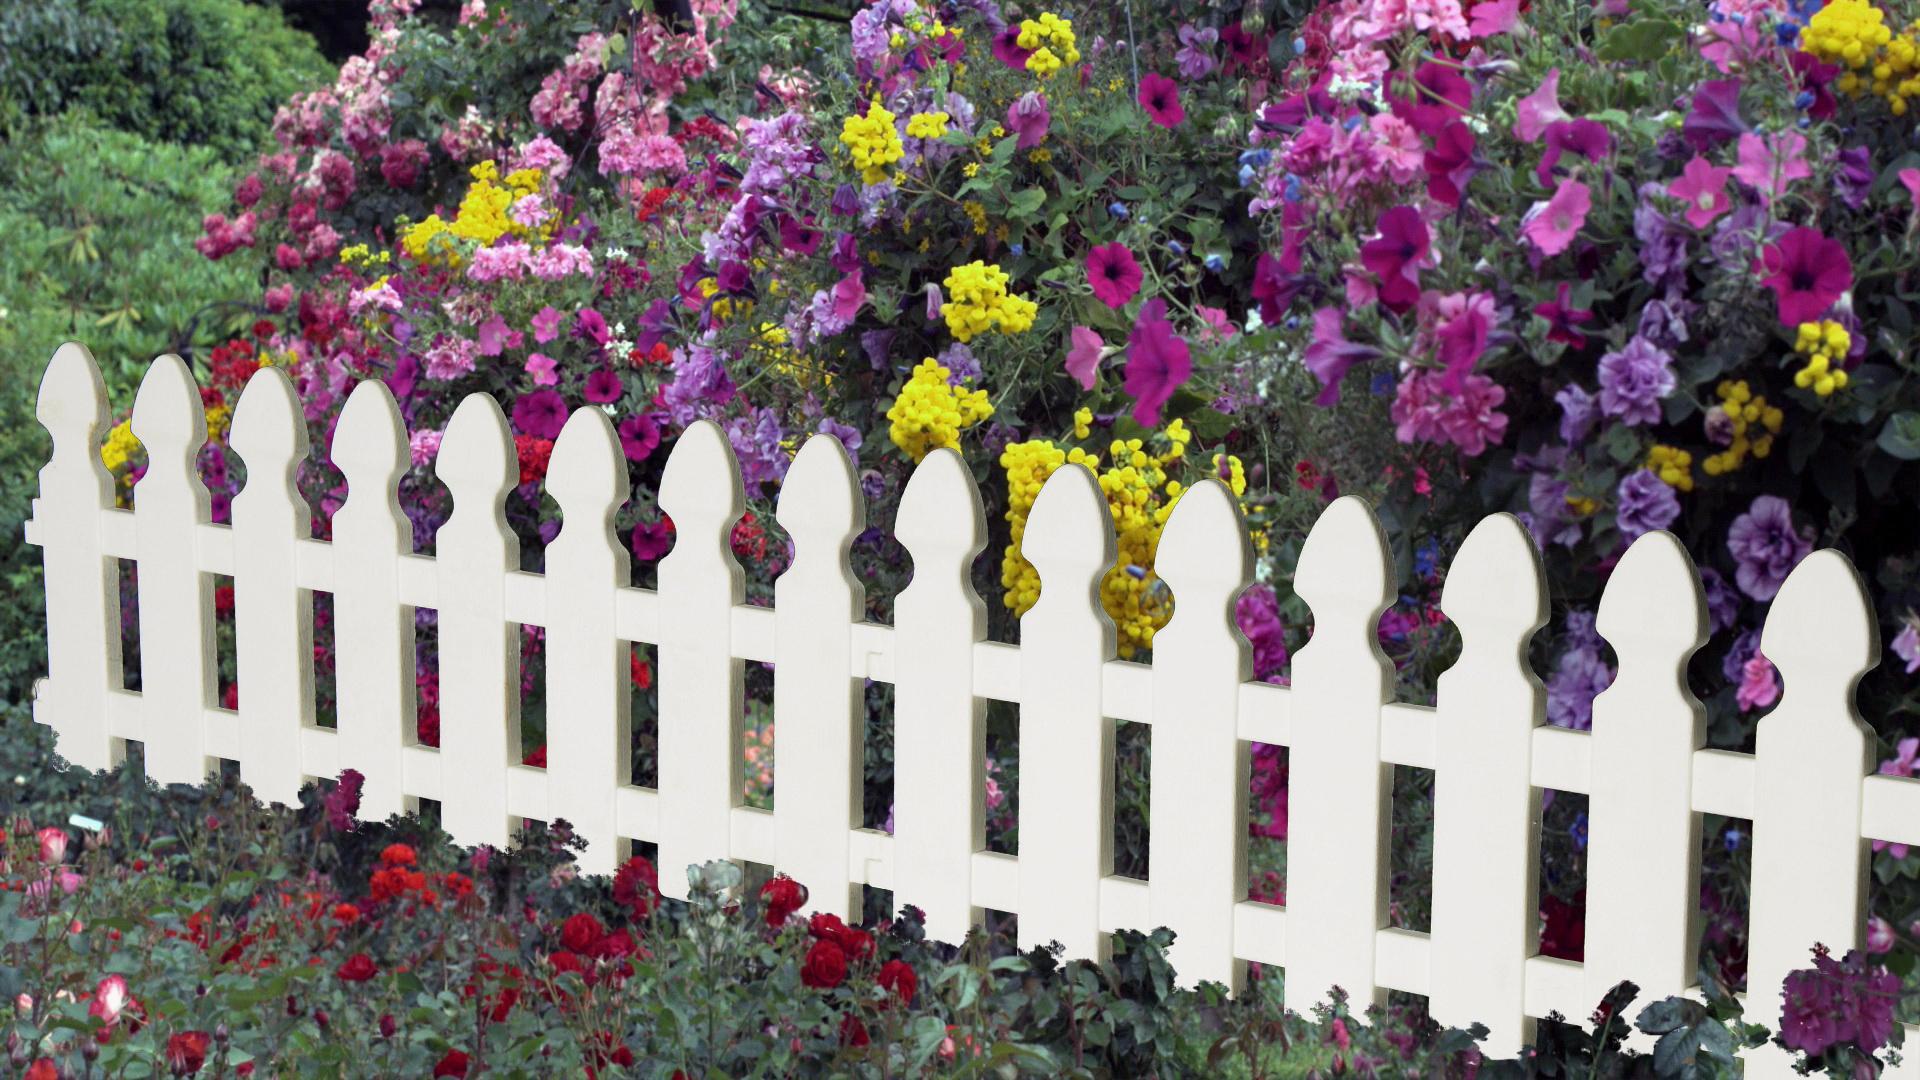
x,y
1763,541
1634,380
1663,242
1723,603
1906,644
1733,666
1644,504
1577,414
1579,676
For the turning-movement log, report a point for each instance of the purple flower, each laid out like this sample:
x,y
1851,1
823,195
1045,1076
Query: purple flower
x,y
652,539
845,202
1643,504
848,435
603,386
591,325
1577,414
960,363
1743,649
343,802
756,439
1906,644
1723,602
1158,362
1547,506
1258,614
1715,116
1853,176
540,414
700,382
1847,1002
1663,242
1195,57
1330,355
1763,541
1634,380
1028,117
1579,676
639,436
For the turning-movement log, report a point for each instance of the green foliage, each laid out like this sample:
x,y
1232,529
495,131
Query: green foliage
x,y
99,227
198,72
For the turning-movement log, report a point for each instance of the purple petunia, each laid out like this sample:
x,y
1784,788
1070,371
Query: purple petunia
x,y
1766,546
1579,676
1577,413
1634,380
639,436
1644,504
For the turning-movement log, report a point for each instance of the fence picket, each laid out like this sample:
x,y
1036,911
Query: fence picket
x,y
373,631
170,503
1066,741
939,726
1643,838
479,648
1340,791
1811,753
1197,848
82,581
589,688
273,615
700,682
1486,813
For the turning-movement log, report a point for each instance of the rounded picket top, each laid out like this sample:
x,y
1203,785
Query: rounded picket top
x,y
820,505
941,518
587,474
73,397
269,428
1205,554
1654,601
1496,589
477,456
167,415
1821,625
700,488
369,441
1069,535
1346,562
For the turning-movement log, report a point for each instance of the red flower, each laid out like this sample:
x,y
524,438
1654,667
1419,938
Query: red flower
x,y
783,897
854,942
1114,274
637,887
454,1064
398,855
533,454
826,966
187,1052
853,1032
642,674
457,885
581,933
1160,97
1564,935
346,913
898,976
44,1069
358,968
564,963
1808,272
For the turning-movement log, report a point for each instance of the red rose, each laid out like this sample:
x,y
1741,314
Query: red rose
x,y
581,933
854,942
898,976
358,968
346,913
44,1069
454,1064
187,1052
563,962
397,855
826,966
637,887
783,897
852,1031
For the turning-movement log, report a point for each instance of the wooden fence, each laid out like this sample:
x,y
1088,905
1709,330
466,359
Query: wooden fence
x,y
1810,788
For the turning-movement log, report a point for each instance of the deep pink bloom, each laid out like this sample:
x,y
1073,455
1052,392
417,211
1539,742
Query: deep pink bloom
x,y
639,436
546,324
1758,688
1702,186
1466,324
1587,138
1006,46
1158,362
1562,318
1330,355
1028,117
1551,225
1438,96
603,386
1274,287
1396,256
1494,17
1450,163
652,539
1114,274
540,413
1715,116
1808,272
1160,97
1083,360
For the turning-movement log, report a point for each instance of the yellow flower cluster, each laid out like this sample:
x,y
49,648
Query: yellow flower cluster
x,y
1140,496
977,213
482,219
1747,411
927,125
1824,344
361,255
1042,37
1854,34
120,447
1673,466
978,301
873,142
931,412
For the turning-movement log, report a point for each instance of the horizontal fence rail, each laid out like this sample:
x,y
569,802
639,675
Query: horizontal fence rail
x,y
1809,788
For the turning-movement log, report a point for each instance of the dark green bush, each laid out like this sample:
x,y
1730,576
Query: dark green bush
x,y
199,72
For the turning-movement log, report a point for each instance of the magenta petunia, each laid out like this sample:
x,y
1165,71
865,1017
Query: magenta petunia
x,y
1396,256
541,414
603,386
1330,355
639,436
1160,97
651,540
1158,362
1563,319
1028,117
1006,47
1450,164
1807,272
1114,274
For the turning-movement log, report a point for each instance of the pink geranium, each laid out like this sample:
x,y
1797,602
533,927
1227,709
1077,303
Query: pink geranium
x,y
1550,226
1160,97
1158,362
1702,186
1114,274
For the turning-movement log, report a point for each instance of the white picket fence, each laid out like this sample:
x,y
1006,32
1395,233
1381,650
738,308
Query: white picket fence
x,y
1809,790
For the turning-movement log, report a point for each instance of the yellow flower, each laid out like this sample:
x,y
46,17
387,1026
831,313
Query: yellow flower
x,y
978,301
931,412
120,446
1082,422
1825,345
927,125
1673,465
873,142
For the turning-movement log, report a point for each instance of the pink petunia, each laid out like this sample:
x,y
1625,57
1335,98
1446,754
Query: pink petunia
x,y
1550,226
1396,255
546,325
1492,18
1702,186
543,370
1769,163
1537,110
1807,272
1158,362
1466,323
1083,359
1028,117
1113,274
1160,97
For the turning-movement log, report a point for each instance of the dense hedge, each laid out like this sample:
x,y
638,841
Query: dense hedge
x,y
198,72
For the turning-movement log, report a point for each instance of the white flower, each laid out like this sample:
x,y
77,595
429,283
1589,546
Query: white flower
x,y
616,253
610,409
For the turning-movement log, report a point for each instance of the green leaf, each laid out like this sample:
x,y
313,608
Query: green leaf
x,y
1026,203
1677,1051
1641,39
1901,437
